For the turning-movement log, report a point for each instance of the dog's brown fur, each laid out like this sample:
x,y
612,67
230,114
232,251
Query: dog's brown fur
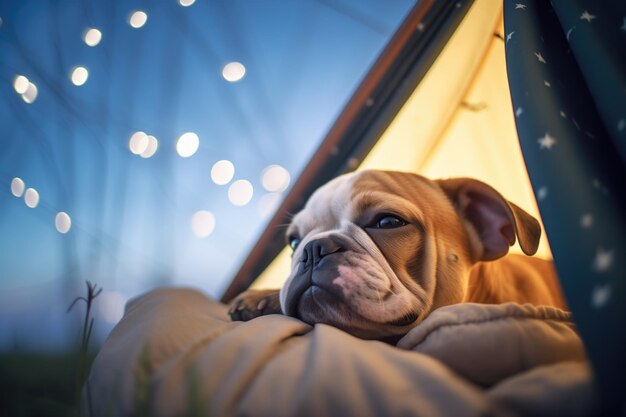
x,y
452,249
515,278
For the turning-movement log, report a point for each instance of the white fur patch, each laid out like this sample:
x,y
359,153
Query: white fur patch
x,y
369,285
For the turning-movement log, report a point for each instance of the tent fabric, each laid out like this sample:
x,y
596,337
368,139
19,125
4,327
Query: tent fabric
x,y
600,52
566,69
176,352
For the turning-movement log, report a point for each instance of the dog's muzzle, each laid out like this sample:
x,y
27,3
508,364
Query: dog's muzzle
x,y
318,291
314,278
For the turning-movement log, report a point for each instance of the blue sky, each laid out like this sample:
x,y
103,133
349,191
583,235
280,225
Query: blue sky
x,y
131,215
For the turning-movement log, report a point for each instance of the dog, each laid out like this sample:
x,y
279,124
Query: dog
x,y
375,251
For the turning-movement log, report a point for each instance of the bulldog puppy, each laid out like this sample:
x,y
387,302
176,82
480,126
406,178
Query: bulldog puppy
x,y
375,251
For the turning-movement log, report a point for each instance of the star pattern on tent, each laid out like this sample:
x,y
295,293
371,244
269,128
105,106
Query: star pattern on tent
x,y
520,6
546,142
587,16
586,211
519,111
586,221
603,260
540,57
601,295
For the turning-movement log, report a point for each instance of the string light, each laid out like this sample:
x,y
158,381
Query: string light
x,y
202,223
30,95
240,192
79,76
151,148
275,178
138,142
17,187
268,204
25,88
187,144
20,84
233,71
92,36
138,19
62,222
31,197
111,306
222,172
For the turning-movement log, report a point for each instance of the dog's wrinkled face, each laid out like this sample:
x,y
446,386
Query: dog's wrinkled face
x,y
374,253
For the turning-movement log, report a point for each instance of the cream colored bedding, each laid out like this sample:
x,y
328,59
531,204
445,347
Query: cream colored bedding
x,y
176,353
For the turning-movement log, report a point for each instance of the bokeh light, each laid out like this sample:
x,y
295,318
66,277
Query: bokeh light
x,y
31,197
30,95
186,3
92,36
151,148
268,204
137,19
138,142
233,71
275,178
62,222
187,144
111,306
202,223
79,76
240,192
222,172
17,187
20,84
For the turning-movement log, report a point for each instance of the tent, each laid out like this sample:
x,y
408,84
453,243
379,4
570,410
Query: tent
x,y
526,96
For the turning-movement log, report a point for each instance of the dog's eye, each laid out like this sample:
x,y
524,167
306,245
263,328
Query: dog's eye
x,y
294,242
390,222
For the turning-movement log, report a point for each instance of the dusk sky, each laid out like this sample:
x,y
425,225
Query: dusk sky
x,y
112,136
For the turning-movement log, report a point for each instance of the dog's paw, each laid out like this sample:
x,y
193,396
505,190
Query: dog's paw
x,y
254,303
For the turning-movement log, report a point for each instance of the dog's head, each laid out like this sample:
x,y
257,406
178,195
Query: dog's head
x,y
375,251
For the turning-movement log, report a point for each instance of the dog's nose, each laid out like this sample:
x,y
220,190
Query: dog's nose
x,y
317,249
312,273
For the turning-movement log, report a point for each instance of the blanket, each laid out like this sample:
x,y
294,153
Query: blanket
x,y
175,352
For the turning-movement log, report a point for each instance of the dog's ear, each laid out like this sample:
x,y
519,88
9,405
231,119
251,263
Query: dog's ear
x,y
494,220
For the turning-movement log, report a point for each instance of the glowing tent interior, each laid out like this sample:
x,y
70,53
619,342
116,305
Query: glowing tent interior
x,y
457,122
